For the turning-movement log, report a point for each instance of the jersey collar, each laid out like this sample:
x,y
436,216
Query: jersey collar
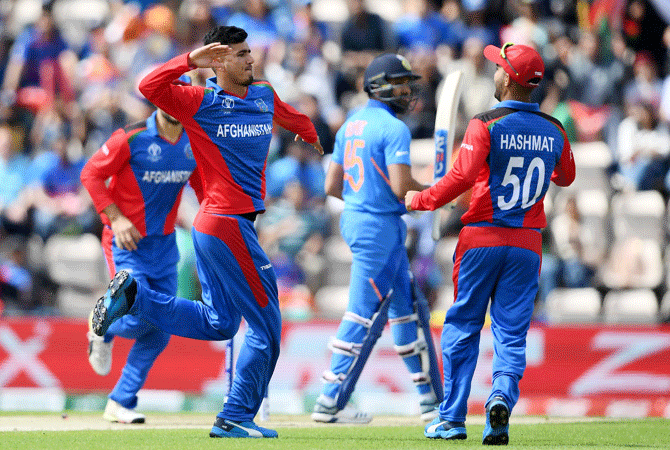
x,y
152,128
534,107
211,83
377,104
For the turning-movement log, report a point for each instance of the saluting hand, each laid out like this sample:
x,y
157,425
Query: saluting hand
x,y
209,56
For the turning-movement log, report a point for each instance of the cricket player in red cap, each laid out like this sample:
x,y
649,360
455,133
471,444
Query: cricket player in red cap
x,y
508,156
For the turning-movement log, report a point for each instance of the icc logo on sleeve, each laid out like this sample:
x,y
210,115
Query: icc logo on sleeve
x,y
154,152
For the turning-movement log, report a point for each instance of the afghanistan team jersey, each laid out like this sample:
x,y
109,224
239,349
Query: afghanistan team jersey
x,y
367,143
148,174
230,135
510,154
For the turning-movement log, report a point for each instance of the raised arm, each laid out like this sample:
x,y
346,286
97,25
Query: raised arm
x,y
181,102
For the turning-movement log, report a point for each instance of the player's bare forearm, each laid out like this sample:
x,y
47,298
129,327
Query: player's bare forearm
x,y
334,180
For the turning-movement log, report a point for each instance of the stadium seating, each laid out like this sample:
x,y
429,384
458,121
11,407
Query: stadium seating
x,y
638,306
573,305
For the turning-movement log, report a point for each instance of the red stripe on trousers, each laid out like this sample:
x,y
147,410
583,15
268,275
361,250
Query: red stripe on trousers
x,y
227,229
107,236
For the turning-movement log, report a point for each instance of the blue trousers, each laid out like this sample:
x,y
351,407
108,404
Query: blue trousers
x,y
153,264
380,263
238,282
488,267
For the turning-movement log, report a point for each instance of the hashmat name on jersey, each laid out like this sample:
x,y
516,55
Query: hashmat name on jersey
x,y
166,176
241,130
526,142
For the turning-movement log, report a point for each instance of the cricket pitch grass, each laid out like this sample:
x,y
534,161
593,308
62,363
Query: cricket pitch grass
x,y
190,431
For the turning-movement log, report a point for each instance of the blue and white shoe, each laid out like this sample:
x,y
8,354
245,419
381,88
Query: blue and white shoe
x,y
225,428
114,304
496,431
443,429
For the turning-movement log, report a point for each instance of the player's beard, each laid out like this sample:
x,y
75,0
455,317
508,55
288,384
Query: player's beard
x,y
248,81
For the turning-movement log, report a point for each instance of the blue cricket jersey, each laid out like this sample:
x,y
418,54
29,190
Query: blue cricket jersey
x,y
366,144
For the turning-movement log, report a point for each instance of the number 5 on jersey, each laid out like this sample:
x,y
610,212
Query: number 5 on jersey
x,y
353,164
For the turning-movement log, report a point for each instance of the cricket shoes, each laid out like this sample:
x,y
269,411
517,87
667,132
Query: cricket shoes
x,y
443,429
496,431
325,411
114,304
99,353
114,412
429,407
225,428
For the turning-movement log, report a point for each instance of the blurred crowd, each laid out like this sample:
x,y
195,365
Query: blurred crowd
x,y
69,71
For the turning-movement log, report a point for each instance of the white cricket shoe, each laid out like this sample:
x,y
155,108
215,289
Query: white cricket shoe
x,y
117,413
99,353
325,410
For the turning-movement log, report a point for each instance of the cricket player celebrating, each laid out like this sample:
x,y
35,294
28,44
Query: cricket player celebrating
x,y
229,124
148,163
370,171
509,155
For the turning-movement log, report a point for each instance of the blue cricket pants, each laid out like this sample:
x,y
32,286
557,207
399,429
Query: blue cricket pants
x,y
380,263
501,265
238,281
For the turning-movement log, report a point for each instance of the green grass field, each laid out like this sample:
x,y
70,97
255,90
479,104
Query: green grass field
x,y
190,432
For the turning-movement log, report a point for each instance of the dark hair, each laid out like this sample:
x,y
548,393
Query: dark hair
x,y
225,34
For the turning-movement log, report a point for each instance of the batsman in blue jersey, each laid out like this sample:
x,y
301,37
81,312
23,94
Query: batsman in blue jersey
x,y
370,171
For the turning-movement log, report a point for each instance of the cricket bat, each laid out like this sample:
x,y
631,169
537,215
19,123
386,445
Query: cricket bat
x,y
445,128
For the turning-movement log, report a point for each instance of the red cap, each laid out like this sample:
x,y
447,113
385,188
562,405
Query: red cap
x,y
523,64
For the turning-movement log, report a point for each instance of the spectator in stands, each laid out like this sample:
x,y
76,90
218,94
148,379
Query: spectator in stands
x,y
197,18
39,71
307,29
558,85
16,282
643,149
364,35
421,27
571,238
599,85
60,202
646,86
642,28
478,91
262,23
528,26
13,172
476,26
299,73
